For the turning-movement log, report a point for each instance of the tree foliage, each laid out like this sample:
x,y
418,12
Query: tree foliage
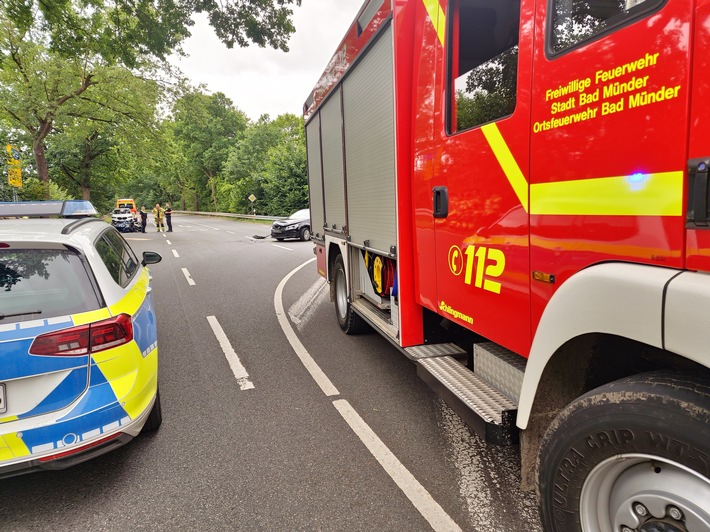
x,y
75,80
206,128
128,31
268,161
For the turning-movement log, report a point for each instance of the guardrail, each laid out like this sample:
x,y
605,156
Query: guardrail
x,y
233,215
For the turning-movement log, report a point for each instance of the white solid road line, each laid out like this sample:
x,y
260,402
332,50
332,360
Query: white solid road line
x,y
282,247
240,373
175,253
410,486
188,277
321,379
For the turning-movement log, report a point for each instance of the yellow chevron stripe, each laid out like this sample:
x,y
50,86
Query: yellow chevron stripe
x,y
507,163
659,194
132,377
438,18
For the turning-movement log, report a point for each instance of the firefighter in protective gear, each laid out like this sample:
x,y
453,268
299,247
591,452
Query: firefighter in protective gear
x,y
159,215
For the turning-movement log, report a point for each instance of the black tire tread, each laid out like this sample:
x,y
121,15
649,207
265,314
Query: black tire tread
x,y
353,323
155,418
674,400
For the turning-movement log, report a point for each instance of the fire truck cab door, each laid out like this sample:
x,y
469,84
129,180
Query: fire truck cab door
x,y
609,136
478,191
698,220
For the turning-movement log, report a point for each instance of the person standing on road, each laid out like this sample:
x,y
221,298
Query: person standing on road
x,y
168,217
144,218
159,215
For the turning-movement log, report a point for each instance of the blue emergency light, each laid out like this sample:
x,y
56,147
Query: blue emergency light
x,y
43,209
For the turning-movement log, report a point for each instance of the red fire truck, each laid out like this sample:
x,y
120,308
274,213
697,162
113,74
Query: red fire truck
x,y
515,194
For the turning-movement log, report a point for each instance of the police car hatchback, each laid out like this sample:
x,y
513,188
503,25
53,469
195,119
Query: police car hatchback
x,y
78,337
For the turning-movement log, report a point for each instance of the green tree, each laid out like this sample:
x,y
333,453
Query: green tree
x,y
285,179
253,166
35,85
127,31
206,128
54,51
104,133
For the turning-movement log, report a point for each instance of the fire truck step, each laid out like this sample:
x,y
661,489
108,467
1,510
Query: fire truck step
x,y
378,318
486,410
500,367
418,352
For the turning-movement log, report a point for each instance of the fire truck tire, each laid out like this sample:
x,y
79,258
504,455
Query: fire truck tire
x,y
349,322
632,455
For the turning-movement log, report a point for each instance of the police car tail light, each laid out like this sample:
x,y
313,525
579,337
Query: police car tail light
x,y
111,333
85,339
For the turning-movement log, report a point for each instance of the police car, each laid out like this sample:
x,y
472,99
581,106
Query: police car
x,y
78,337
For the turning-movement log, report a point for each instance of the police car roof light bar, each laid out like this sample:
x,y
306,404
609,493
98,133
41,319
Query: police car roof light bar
x,y
42,209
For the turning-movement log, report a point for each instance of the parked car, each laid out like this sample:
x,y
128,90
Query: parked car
x,y
298,225
124,220
78,338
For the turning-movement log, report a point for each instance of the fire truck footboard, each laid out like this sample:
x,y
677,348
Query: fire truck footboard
x,y
486,410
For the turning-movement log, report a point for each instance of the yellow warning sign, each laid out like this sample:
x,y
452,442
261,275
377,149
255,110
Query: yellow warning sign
x,y
14,168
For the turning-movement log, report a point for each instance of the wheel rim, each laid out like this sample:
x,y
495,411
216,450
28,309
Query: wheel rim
x,y
341,294
306,234
638,492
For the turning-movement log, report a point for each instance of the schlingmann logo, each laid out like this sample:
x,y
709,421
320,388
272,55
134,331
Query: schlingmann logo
x,y
455,313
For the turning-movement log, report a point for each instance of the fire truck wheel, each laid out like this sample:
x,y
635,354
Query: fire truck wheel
x,y
632,455
349,322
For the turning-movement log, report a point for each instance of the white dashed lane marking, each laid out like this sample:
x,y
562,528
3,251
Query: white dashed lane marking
x,y
188,277
240,373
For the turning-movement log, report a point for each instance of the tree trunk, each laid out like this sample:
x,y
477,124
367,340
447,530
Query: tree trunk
x,y
41,162
85,192
214,194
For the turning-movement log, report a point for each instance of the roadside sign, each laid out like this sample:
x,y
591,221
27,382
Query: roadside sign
x,y
14,171
252,198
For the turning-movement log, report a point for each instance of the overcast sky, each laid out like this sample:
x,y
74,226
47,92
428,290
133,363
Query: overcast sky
x,y
265,81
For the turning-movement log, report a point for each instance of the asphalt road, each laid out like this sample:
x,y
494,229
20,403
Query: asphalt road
x,y
264,431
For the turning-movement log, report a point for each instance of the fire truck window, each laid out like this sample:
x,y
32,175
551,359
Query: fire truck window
x,y
575,21
483,61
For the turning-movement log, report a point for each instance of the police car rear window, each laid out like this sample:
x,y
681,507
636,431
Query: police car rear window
x,y
43,283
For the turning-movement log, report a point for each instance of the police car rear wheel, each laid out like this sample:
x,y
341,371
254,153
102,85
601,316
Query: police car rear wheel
x,y
630,456
155,418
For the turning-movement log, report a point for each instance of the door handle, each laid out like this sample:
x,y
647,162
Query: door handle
x,y
441,202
